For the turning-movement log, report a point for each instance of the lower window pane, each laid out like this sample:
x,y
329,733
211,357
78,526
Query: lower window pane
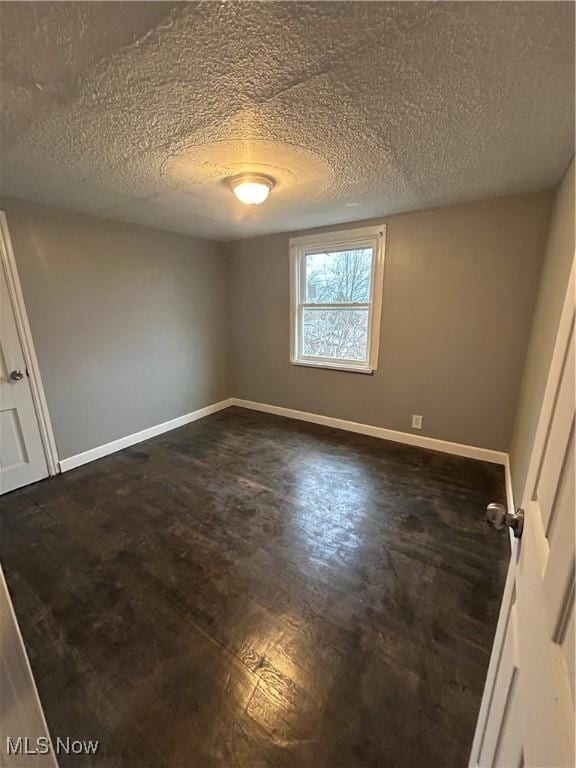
x,y
337,334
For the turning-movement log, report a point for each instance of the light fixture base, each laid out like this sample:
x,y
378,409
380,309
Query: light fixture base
x,y
251,188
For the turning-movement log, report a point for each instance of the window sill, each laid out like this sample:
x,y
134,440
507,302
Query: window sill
x,y
334,366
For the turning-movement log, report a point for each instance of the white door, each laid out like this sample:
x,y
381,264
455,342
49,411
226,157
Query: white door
x,y
22,458
21,712
527,713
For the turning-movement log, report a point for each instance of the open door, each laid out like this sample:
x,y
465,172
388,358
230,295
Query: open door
x,y
23,729
27,448
22,458
527,713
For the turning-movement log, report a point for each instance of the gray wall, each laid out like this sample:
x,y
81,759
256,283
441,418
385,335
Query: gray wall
x,y
459,290
553,282
129,323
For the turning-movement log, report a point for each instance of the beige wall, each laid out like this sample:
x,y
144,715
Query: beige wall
x,y
129,323
459,291
552,288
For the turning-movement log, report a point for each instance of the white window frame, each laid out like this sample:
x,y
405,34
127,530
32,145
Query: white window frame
x,y
300,247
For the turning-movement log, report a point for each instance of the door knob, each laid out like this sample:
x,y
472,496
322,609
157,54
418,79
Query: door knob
x,y
16,376
516,522
498,517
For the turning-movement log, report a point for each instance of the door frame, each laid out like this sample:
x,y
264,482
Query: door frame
x,y
8,264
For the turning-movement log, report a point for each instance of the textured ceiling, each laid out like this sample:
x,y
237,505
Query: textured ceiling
x,y
138,111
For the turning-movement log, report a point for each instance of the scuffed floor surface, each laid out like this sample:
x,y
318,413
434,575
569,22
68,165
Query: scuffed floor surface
x,y
258,592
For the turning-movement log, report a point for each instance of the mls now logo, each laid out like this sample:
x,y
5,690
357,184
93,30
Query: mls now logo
x,y
23,745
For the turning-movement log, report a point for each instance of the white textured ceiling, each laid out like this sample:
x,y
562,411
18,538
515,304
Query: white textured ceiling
x,y
138,111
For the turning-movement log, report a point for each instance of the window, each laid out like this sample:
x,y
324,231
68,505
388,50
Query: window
x,y
336,298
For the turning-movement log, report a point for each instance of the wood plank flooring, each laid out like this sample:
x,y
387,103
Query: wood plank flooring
x,y
250,591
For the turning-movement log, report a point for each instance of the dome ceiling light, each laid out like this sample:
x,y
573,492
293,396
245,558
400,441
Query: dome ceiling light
x,y
251,188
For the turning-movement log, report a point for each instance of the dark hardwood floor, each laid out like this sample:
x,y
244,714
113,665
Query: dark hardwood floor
x,y
258,592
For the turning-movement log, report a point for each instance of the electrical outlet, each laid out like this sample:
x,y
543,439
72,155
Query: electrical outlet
x,y
416,421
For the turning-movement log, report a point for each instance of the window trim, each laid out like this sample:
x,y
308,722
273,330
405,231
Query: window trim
x,y
300,247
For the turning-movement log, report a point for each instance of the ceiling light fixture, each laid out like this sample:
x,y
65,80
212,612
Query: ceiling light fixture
x,y
251,188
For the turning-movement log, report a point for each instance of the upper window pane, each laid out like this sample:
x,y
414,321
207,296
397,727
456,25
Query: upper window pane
x,y
338,276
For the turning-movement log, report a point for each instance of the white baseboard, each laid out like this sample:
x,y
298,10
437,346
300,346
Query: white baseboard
x,y
510,504
432,443
509,487
137,437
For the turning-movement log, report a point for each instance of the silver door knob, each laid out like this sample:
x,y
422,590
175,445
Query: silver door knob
x,y
16,376
516,522
498,517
